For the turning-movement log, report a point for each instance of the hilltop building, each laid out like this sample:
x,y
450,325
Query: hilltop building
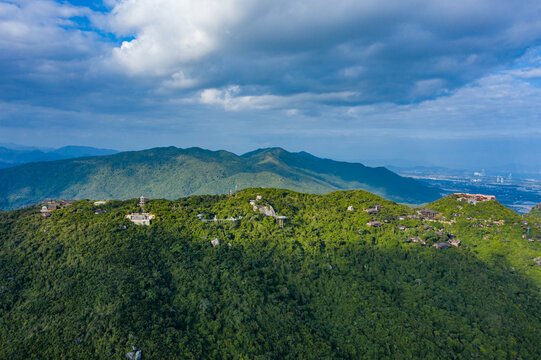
x,y
373,210
472,198
442,245
140,219
417,239
427,213
142,201
53,204
50,205
45,212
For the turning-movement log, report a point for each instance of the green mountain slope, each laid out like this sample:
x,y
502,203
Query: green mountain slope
x,y
535,212
171,173
325,285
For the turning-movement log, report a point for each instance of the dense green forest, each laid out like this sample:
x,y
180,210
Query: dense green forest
x,y
323,285
171,173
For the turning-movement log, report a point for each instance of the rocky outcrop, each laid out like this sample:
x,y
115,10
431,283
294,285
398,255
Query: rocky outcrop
x,y
265,210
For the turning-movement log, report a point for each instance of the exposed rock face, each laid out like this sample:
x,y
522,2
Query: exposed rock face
x,y
265,210
455,242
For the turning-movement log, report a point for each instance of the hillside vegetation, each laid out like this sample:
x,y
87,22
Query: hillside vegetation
x,y
535,212
172,173
322,286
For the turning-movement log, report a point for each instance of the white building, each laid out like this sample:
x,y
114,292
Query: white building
x,y
141,219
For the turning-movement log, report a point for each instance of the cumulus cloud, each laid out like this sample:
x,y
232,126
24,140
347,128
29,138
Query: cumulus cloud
x,y
392,51
170,33
319,70
397,51
230,99
45,49
42,28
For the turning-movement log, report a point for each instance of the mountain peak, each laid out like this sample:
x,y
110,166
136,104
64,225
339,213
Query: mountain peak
x,y
270,150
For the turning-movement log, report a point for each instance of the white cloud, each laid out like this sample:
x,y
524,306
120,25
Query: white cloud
x,y
41,27
428,87
179,81
388,51
170,33
230,99
527,73
500,104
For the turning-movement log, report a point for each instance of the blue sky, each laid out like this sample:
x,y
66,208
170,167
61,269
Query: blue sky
x,y
451,83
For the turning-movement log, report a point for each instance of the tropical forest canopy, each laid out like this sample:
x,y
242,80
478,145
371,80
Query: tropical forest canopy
x,y
85,282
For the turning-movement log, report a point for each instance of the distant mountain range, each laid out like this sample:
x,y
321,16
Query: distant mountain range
x,y
13,155
172,173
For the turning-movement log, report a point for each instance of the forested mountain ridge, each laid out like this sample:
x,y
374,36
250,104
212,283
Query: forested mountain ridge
x,y
87,283
171,173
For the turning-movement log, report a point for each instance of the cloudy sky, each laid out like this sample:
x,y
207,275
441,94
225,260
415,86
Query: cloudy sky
x,y
452,83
